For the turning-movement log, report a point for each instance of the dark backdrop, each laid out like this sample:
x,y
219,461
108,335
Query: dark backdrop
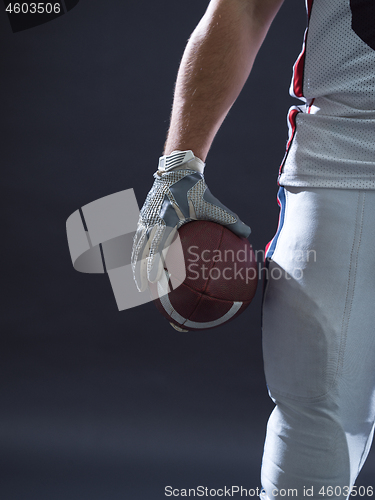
x,y
96,403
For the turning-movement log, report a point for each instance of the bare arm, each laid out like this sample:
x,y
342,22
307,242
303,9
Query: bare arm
x,y
216,64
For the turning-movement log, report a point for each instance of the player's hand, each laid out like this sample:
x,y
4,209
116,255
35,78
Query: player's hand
x,y
178,195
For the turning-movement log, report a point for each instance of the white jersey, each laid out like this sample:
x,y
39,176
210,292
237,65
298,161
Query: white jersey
x,y
332,136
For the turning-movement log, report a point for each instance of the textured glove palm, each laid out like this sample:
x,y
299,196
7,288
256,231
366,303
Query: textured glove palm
x,y
179,195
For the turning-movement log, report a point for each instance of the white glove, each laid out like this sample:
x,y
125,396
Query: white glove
x,y
178,195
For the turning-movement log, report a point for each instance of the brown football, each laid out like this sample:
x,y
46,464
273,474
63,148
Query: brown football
x,y
221,278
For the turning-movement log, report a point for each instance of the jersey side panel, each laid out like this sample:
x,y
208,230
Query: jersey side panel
x,y
333,141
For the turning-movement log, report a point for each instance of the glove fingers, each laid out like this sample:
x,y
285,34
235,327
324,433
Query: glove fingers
x,y
153,261
141,248
157,258
136,243
149,250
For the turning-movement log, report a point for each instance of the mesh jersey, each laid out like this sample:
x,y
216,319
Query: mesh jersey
x,y
332,136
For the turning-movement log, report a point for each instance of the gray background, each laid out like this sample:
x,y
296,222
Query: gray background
x,y
95,403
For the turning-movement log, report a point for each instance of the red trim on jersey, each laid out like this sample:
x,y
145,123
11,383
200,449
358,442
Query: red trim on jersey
x,y
309,7
292,121
292,130
311,103
300,63
298,72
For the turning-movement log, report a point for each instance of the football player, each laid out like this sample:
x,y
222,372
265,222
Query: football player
x,y
318,310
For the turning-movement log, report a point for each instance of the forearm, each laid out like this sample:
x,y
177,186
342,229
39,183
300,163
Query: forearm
x,y
216,63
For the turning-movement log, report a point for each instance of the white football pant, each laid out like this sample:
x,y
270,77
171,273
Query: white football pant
x,y
319,343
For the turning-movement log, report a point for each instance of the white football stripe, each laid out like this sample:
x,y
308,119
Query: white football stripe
x,y
166,303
